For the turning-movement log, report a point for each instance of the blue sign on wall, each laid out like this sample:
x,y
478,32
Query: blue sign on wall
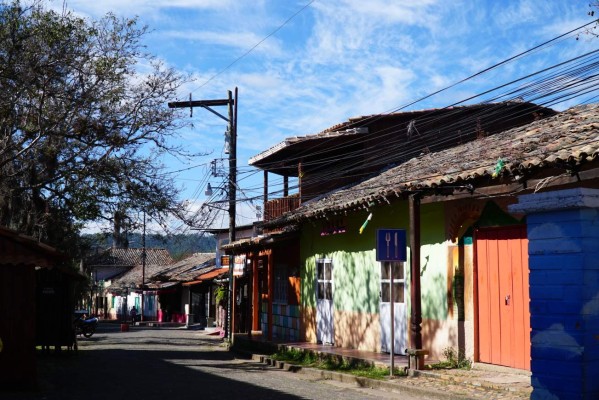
x,y
391,245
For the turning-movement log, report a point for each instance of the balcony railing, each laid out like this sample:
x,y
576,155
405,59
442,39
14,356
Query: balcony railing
x,y
277,207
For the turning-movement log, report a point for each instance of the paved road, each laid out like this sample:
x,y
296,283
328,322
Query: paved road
x,y
147,364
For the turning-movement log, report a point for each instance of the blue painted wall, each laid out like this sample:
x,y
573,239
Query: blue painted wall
x,y
564,295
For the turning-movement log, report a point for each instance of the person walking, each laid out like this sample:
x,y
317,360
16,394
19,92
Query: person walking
x,y
133,314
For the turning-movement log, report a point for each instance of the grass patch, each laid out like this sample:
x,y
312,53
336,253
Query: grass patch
x,y
332,362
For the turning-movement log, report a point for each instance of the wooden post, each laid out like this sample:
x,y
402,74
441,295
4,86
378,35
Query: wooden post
x,y
266,212
300,173
416,314
233,308
270,293
285,186
256,303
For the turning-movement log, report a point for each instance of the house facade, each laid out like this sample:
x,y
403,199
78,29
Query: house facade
x,y
184,289
116,274
480,273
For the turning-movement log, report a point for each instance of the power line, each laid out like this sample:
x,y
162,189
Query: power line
x,y
254,46
564,83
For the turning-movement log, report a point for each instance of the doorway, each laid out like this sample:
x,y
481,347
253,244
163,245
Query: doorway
x,y
503,296
325,329
393,276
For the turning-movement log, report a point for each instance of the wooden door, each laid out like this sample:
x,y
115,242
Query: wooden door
x,y
503,296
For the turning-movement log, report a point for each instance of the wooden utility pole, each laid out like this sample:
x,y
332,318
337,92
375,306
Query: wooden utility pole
x,y
416,317
143,267
231,103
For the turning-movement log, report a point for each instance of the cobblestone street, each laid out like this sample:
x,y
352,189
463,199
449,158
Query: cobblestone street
x,y
173,363
158,363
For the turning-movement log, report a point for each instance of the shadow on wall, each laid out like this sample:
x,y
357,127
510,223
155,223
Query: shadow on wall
x,y
437,332
444,300
357,287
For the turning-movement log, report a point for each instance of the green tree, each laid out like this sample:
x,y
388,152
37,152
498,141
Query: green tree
x,y
83,122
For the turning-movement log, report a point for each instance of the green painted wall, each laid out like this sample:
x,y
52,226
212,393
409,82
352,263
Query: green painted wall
x,y
433,262
356,273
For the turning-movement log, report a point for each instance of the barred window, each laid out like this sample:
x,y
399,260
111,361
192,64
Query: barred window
x,y
281,283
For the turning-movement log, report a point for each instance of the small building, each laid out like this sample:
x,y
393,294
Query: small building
x,y
182,292
25,262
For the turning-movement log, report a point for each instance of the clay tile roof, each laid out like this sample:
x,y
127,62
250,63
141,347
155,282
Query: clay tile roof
x,y
129,257
356,126
188,268
180,271
571,136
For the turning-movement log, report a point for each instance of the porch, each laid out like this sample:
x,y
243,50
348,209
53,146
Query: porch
x,y
481,380
256,342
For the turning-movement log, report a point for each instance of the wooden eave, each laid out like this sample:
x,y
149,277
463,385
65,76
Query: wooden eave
x,y
18,249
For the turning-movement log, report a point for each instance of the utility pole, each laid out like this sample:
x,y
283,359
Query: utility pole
x,y
231,103
143,266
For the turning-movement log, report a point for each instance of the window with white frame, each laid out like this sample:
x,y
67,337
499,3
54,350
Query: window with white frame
x,y
324,279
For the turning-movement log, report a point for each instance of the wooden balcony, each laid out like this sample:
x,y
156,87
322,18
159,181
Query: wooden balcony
x,y
277,207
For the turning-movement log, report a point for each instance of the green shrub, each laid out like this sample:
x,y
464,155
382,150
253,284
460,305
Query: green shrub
x,y
332,362
453,360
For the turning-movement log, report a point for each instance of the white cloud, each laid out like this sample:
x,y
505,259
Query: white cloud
x,y
139,7
240,40
340,59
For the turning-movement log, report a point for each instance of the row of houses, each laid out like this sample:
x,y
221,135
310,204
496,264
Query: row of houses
x,y
163,290
499,205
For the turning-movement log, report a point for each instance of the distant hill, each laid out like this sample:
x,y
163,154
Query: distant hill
x,y
178,246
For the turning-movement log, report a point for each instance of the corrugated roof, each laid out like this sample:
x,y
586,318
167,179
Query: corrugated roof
x,y
571,136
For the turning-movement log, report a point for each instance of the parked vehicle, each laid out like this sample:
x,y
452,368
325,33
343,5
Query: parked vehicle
x,y
85,326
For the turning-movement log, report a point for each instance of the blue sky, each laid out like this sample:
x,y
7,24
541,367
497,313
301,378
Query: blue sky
x,y
335,60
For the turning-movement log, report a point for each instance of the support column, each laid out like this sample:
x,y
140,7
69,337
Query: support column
x,y
265,195
300,176
416,352
255,295
271,293
233,307
563,251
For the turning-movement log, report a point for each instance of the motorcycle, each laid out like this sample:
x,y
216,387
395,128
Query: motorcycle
x,y
85,326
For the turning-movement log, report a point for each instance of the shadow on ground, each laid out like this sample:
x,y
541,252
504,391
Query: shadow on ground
x,y
97,373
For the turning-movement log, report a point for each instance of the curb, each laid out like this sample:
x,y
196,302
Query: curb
x,y
473,382
394,386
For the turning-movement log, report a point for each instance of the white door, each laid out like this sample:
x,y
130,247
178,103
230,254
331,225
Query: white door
x,y
325,332
395,269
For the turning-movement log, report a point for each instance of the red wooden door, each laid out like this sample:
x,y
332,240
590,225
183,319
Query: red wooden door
x,y
503,297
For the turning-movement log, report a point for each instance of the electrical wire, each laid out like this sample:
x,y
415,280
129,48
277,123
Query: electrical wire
x,y
251,49
559,86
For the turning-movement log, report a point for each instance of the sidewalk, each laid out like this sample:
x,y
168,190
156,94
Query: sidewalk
x,y
481,382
